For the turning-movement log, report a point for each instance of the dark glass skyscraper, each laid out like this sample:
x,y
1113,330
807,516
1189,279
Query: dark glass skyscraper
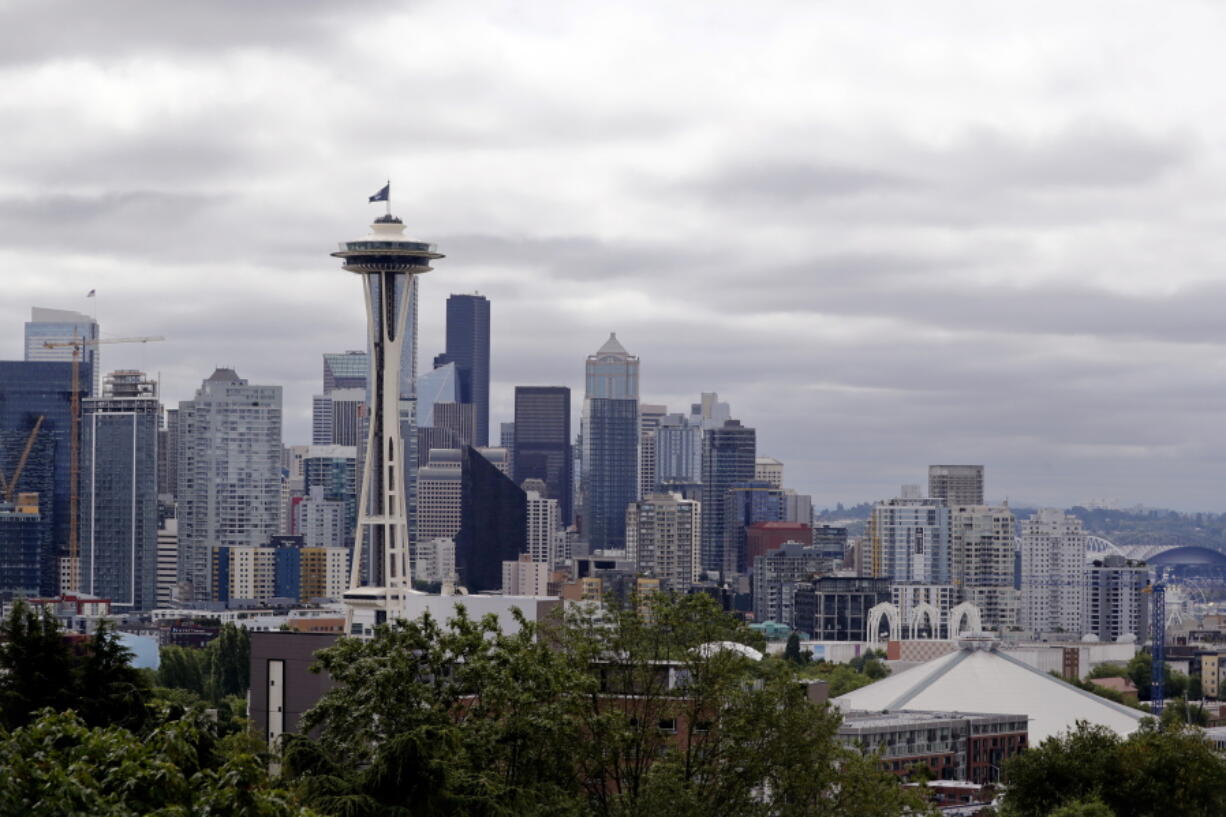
x,y
119,504
493,523
610,433
745,504
28,391
728,455
468,347
542,442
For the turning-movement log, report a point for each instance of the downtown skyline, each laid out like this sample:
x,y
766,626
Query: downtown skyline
x,y
1024,276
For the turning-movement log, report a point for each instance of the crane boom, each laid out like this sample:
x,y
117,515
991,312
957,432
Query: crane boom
x,y
77,344
9,488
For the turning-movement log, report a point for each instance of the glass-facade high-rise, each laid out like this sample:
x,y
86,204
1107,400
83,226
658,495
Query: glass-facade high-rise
x,y
493,522
610,433
62,326
542,447
729,453
468,347
36,394
119,503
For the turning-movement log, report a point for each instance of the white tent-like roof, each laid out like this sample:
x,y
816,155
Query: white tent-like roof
x,y
982,678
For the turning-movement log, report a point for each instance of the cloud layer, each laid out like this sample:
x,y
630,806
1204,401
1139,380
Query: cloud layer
x,y
889,238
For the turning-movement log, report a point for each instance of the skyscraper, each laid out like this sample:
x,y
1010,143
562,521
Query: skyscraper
x,y
543,528
728,456
542,447
750,503
468,347
229,472
909,540
389,264
650,417
1053,572
119,503
610,435
36,411
663,532
349,370
956,484
493,522
1114,598
982,546
59,326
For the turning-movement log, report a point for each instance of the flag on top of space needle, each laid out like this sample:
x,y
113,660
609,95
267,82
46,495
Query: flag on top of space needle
x,y
384,194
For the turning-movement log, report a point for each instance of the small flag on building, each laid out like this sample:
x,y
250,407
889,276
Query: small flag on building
x,y
92,293
384,194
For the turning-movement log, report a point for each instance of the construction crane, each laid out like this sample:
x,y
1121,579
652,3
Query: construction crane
x,y
1157,674
8,487
76,344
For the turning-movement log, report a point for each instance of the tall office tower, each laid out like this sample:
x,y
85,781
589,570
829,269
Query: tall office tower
x,y
745,504
229,473
349,370
1115,601
389,264
506,438
542,447
60,325
981,545
728,456
678,450
333,469
831,541
468,347
119,502
1053,572
168,563
440,385
610,433
650,415
776,574
956,484
543,527
493,522
769,470
336,417
909,540
36,413
663,537
439,492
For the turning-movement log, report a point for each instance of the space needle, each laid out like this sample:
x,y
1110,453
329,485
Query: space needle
x,y
389,263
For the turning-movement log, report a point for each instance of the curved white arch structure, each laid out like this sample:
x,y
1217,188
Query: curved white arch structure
x,y
968,614
1097,547
874,622
918,613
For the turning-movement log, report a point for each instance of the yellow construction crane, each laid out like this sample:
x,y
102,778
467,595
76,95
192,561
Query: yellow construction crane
x,y
8,487
76,344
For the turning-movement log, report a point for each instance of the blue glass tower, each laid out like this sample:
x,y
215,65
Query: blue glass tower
x,y
610,431
468,347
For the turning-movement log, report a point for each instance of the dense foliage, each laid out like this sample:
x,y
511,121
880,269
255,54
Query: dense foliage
x,y
222,668
1092,772
610,712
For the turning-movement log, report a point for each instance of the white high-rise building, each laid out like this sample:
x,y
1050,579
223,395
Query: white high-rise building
x,y
439,486
543,528
982,546
663,539
321,522
1115,602
768,470
168,563
1053,573
229,473
909,540
434,560
650,416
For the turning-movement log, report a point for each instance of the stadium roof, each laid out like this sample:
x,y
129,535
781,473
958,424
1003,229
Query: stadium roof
x,y
982,678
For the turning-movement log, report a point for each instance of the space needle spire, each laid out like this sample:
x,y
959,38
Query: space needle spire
x,y
389,263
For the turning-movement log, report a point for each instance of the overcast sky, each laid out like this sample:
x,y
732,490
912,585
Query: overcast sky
x,y
888,233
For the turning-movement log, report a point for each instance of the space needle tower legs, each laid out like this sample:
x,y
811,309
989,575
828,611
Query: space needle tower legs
x,y
388,263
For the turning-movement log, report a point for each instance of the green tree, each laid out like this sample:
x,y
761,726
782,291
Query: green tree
x,y
1151,772
1084,808
36,666
57,765
111,691
792,653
